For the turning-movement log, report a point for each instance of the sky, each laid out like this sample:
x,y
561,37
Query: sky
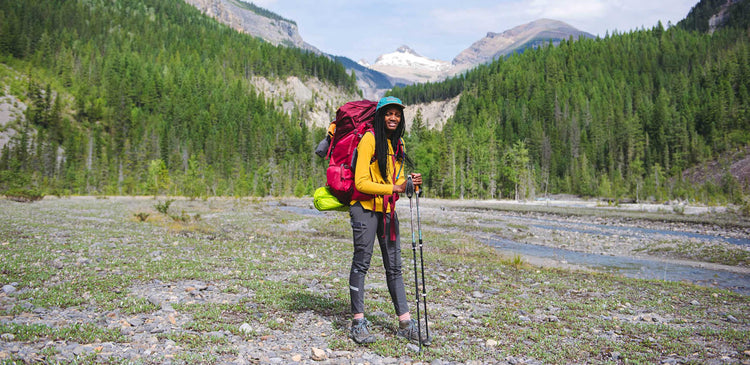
x,y
441,29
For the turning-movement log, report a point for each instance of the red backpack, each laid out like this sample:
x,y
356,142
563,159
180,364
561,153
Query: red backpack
x,y
353,120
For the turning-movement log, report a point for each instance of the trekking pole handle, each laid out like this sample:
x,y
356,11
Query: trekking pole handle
x,y
409,187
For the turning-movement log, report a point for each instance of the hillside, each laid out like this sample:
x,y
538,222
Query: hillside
x,y
139,97
248,18
154,97
619,117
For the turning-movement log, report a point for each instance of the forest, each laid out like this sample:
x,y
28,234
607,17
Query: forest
x,y
138,97
620,117
146,97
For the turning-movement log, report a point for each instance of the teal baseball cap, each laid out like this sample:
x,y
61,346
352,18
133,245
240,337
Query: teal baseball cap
x,y
389,100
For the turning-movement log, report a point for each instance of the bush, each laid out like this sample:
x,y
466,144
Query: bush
x,y
745,206
163,208
142,216
23,195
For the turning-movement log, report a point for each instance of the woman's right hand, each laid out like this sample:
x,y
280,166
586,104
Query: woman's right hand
x,y
399,188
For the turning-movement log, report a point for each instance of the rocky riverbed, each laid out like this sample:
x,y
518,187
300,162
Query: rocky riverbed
x,y
102,280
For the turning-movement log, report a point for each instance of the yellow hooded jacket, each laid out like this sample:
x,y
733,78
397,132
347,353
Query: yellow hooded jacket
x,y
367,176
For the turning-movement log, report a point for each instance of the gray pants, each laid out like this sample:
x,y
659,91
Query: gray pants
x,y
366,226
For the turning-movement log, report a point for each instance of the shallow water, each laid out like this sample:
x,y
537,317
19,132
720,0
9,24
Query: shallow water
x,y
631,267
608,230
626,266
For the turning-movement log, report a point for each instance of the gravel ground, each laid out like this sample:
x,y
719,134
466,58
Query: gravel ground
x,y
264,281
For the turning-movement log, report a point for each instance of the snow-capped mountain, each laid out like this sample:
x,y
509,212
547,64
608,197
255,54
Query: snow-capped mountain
x,y
410,66
407,57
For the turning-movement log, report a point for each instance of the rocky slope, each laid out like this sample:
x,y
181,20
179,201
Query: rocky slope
x,y
314,100
241,17
533,34
434,114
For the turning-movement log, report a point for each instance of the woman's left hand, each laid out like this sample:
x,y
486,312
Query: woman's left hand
x,y
416,178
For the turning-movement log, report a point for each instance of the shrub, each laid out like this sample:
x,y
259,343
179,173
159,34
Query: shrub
x,y
23,195
142,216
745,206
163,208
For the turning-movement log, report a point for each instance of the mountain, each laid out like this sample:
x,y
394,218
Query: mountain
x,y
530,35
373,83
708,16
250,19
274,29
656,114
123,90
410,66
402,67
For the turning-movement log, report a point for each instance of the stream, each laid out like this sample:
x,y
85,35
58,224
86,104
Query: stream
x,y
642,268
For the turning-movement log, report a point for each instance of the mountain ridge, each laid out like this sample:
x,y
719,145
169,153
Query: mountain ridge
x,y
407,64
244,17
529,35
404,66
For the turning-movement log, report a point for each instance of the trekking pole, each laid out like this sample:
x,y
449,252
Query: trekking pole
x,y
421,259
409,194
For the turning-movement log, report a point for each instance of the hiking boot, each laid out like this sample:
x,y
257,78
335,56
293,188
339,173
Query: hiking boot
x,y
359,332
408,329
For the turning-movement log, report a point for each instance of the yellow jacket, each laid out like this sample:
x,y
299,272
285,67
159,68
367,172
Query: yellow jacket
x,y
367,176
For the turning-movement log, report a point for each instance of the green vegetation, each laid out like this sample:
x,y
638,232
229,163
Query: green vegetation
x,y
738,15
261,11
23,194
618,117
150,97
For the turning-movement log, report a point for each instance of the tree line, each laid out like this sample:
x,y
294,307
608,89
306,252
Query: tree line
x,y
153,97
620,117
120,93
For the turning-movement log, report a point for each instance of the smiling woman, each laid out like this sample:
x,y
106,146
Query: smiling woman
x,y
380,173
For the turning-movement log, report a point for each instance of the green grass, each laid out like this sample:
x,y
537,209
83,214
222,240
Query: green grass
x,y
82,333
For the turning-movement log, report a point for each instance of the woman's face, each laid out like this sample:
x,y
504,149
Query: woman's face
x,y
392,118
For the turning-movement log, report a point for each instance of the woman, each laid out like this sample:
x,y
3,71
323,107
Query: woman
x,y
379,178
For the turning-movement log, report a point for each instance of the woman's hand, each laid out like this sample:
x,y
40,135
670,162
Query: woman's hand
x,y
416,178
399,188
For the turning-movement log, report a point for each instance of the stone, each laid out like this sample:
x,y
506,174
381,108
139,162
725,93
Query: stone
x,y
9,289
318,354
7,337
491,343
246,328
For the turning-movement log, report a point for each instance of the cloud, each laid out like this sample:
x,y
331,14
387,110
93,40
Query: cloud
x,y
569,9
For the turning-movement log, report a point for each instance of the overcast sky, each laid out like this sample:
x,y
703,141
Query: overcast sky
x,y
441,29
